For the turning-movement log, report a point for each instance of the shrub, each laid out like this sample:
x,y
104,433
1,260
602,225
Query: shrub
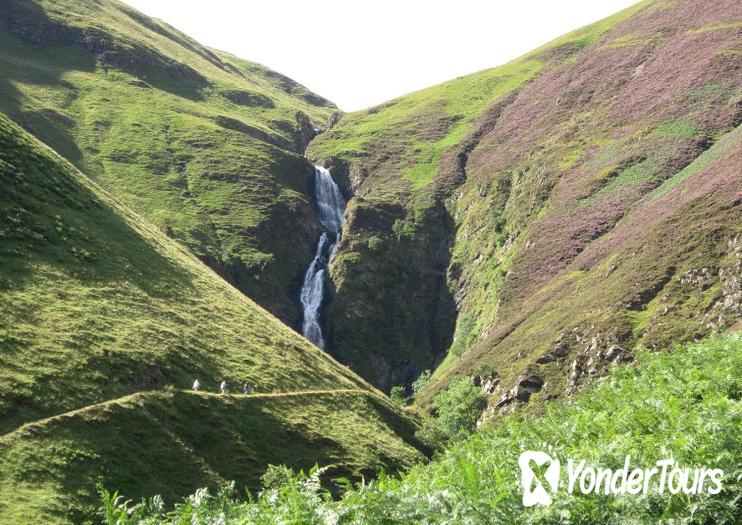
x,y
432,436
459,407
484,370
276,476
398,395
403,229
465,335
375,244
419,383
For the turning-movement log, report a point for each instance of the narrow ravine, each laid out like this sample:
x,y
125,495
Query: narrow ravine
x,y
331,213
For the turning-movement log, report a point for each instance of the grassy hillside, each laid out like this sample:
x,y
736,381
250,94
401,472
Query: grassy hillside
x,y
185,440
96,304
582,197
682,405
205,145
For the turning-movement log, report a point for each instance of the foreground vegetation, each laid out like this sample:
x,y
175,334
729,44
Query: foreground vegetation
x,y
682,404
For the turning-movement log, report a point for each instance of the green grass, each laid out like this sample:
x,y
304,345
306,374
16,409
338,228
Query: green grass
x,y
610,181
404,125
98,304
723,144
173,442
681,127
717,27
174,132
682,404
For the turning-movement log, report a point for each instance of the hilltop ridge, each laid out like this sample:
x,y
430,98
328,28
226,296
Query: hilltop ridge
x,y
516,224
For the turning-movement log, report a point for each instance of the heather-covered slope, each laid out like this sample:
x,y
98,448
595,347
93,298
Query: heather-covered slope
x,y
565,207
207,146
97,304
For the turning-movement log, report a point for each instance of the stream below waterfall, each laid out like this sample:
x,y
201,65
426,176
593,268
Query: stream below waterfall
x,y
331,213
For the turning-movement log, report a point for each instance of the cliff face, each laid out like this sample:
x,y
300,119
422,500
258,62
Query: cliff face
x,y
593,193
208,146
391,313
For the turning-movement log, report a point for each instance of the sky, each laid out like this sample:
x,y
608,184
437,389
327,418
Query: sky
x,y
359,54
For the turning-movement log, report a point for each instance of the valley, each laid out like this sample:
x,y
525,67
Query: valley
x,y
463,269
106,321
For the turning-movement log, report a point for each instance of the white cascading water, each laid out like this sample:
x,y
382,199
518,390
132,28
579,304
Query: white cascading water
x,y
331,211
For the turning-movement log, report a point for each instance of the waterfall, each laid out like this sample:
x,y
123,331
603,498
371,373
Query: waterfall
x,y
331,213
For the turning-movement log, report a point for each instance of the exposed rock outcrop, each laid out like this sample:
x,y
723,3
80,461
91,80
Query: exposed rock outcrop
x,y
728,307
525,386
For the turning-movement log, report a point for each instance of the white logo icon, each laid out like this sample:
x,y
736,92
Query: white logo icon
x,y
534,492
666,476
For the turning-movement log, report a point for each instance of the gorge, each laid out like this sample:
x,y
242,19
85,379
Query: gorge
x,y
171,212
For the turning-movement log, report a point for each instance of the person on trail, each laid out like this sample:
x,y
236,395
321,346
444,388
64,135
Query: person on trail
x,y
246,389
196,385
223,387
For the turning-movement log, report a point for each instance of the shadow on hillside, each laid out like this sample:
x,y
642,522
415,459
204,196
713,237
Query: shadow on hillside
x,y
55,220
173,444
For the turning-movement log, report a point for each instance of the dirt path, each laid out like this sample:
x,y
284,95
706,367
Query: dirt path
x,y
136,395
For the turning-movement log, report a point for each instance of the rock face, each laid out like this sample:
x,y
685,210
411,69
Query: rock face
x,y
728,307
488,382
526,385
391,315
558,351
305,131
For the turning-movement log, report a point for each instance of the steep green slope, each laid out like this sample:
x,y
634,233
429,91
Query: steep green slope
x,y
580,198
207,146
682,405
185,441
96,304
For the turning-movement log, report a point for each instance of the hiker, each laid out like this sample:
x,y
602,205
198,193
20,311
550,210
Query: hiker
x,y
196,385
223,387
246,389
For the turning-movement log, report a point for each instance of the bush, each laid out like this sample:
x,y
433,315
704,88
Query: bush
x,y
419,383
375,244
432,436
276,476
459,407
683,404
484,370
403,229
465,336
398,395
